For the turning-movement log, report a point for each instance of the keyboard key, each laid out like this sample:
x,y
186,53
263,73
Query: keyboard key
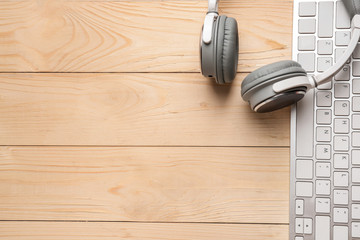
x,y
323,134
341,143
341,161
305,119
355,175
355,193
343,74
323,116
355,211
307,26
306,43
356,121
307,61
323,151
324,63
341,125
356,68
341,197
322,228
356,85
299,225
338,53
356,104
322,205
299,238
323,169
325,47
299,206
340,233
341,179
323,99
304,189
355,229
342,108
356,53
342,16
307,226
325,86
325,21
355,156
355,139
303,225
342,90
341,215
323,187
307,9
304,169
342,38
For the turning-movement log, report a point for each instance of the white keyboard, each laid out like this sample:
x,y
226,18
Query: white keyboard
x,y
325,129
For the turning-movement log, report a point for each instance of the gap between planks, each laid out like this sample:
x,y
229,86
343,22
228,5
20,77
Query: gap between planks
x,y
149,222
140,231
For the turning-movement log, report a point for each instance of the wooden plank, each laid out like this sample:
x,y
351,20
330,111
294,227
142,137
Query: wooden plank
x,y
140,231
132,109
167,184
134,36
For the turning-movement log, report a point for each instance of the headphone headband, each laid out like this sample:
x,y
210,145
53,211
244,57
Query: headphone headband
x,y
313,81
213,6
355,35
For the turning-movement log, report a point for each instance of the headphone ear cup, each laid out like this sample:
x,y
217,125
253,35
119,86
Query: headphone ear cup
x,y
227,49
257,87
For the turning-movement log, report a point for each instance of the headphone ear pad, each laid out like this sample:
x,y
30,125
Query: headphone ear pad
x,y
257,88
352,6
227,50
269,72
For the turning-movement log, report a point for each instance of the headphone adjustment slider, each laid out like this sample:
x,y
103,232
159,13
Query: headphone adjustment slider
x,y
208,27
294,82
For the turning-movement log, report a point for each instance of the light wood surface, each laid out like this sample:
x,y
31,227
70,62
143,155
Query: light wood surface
x,y
172,184
109,131
132,109
133,36
140,231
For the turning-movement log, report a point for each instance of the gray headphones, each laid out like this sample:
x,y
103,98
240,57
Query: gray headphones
x,y
281,84
219,46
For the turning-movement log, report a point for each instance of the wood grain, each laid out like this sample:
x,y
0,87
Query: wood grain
x,y
133,36
146,148
132,109
165,184
139,231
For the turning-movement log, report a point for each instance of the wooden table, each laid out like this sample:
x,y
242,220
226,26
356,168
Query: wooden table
x,y
109,131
